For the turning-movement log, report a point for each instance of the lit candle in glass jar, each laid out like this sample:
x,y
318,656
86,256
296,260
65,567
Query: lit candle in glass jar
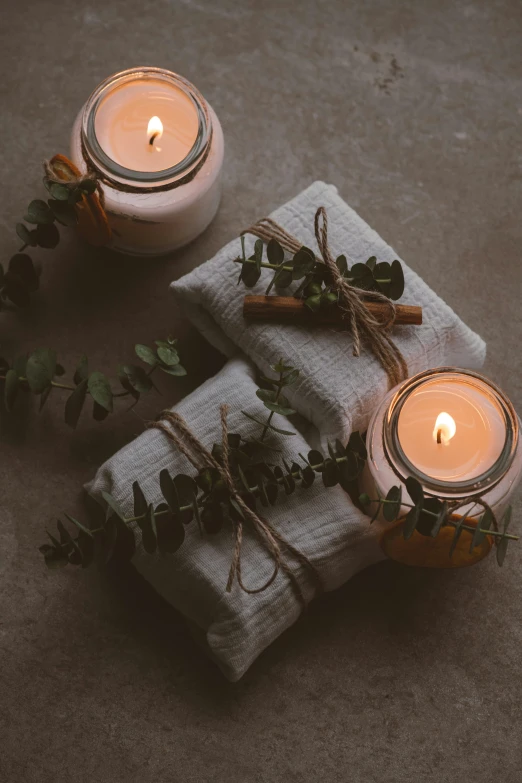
x,y
156,147
454,432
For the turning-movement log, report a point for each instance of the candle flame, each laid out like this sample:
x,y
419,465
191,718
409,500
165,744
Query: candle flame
x,y
445,428
154,129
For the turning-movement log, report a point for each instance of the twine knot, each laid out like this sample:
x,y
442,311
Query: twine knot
x,y
178,432
363,325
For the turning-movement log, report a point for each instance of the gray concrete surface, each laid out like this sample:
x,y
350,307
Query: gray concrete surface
x,y
413,109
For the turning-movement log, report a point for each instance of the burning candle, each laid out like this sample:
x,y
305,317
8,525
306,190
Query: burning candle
x,y
156,147
453,431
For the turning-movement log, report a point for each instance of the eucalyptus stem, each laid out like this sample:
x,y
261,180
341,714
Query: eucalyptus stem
x,y
288,268
279,388
452,521
200,500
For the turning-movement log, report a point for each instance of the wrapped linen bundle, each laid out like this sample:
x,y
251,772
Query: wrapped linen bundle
x,y
336,391
322,523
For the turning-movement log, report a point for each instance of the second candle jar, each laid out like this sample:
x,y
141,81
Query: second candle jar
x,y
157,149
453,431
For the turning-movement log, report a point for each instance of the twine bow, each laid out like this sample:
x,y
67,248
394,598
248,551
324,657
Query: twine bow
x,y
177,431
363,325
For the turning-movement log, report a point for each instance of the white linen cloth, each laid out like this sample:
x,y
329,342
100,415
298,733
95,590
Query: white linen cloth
x,y
322,523
336,391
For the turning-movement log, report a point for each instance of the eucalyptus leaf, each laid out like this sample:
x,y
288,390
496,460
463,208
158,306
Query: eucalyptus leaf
x,y
392,506
502,545
82,370
330,473
249,275
414,489
140,502
137,377
38,212
357,445
410,521
104,544
47,236
282,278
290,378
456,535
170,532
79,525
483,525
58,191
278,408
74,404
25,235
396,288
113,504
148,530
441,519
40,369
316,460
100,390
21,265
44,397
146,354
258,253
98,412
125,546
275,252
362,277
63,212
177,370
169,492
303,263
168,355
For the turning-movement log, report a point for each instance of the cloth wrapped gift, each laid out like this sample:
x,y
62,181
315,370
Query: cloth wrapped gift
x,y
322,523
336,391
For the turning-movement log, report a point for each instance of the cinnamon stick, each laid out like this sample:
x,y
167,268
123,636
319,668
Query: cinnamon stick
x,y
286,309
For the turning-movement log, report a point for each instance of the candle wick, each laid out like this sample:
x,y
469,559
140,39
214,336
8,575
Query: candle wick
x,y
151,140
439,435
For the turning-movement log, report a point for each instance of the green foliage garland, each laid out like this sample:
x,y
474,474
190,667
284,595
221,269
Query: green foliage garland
x,y
22,275
314,286
41,373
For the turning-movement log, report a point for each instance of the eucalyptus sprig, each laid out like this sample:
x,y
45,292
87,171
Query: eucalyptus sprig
x,y
22,275
203,497
314,286
41,373
428,515
274,400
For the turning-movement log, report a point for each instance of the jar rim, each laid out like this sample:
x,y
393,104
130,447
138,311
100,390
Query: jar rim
x,y
404,468
144,180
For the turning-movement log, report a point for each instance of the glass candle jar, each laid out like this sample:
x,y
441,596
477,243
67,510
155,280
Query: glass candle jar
x,y
457,434
156,147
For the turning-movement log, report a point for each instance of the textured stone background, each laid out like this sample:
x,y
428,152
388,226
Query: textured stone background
x,y
413,109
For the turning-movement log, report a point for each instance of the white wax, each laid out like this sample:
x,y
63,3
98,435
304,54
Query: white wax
x,y
470,447
123,116
153,221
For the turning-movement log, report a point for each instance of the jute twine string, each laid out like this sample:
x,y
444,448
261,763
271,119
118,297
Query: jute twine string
x,y
178,432
363,325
